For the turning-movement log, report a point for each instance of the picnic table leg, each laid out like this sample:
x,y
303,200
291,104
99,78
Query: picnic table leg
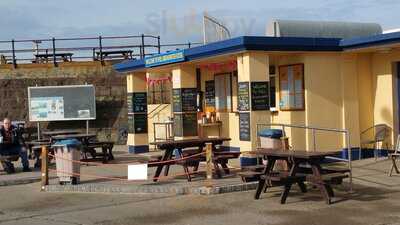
x,y
261,182
326,189
288,182
185,167
167,155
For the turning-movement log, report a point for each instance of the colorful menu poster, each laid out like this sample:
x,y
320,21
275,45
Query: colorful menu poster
x,y
47,108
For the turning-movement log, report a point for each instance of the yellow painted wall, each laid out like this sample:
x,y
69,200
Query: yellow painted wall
x,y
384,89
366,94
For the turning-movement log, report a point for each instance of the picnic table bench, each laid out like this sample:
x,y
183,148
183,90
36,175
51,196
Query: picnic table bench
x,y
125,54
89,145
198,144
295,159
46,57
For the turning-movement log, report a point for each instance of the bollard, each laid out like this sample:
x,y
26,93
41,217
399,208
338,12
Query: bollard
x,y
45,167
209,161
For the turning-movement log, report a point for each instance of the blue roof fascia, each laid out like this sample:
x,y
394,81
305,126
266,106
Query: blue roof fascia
x,y
243,43
370,41
291,43
129,65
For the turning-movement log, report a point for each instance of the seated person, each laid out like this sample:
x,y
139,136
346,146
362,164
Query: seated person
x,y
12,143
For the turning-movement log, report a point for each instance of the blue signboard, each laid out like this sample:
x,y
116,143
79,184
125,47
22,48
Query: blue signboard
x,y
165,58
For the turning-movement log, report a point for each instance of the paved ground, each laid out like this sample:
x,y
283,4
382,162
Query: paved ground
x,y
376,200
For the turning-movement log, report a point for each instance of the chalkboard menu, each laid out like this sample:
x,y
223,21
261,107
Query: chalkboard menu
x,y
176,100
131,124
243,96
129,103
259,96
244,126
185,124
210,93
139,102
184,99
137,123
189,99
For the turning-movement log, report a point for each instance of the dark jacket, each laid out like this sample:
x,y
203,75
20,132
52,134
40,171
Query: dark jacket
x,y
16,137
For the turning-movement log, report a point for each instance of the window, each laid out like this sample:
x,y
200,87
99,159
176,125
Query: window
x,y
159,92
291,84
223,92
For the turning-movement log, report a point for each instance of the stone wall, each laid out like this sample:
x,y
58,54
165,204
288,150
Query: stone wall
x,y
110,90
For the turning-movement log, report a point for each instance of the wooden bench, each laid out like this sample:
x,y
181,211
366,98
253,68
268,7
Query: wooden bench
x,y
330,178
251,173
106,148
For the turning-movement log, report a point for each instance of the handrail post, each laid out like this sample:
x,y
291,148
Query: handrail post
x,y
45,168
143,50
349,155
54,51
159,44
314,141
209,162
14,61
101,48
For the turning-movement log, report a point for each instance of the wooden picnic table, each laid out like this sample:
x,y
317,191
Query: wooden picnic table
x,y
84,138
126,54
60,132
46,57
294,159
170,145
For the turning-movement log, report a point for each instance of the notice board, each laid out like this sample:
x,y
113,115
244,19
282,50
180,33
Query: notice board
x,y
62,103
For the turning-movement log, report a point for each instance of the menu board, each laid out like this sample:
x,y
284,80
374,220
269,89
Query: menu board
x,y
244,126
139,102
210,95
243,96
185,124
189,99
131,124
184,99
259,96
176,100
129,103
137,123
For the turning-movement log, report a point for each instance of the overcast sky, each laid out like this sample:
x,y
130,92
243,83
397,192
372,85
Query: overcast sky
x,y
176,20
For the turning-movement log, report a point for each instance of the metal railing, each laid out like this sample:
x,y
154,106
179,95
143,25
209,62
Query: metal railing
x,y
84,48
313,130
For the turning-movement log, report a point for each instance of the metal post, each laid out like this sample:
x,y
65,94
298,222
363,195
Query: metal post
x,y
38,131
54,51
349,156
101,48
143,50
13,54
87,126
159,44
314,141
209,161
45,168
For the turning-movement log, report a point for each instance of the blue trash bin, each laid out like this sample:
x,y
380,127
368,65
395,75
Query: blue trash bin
x,y
270,138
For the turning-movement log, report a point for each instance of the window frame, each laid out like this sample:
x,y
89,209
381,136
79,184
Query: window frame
x,y
303,88
230,109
